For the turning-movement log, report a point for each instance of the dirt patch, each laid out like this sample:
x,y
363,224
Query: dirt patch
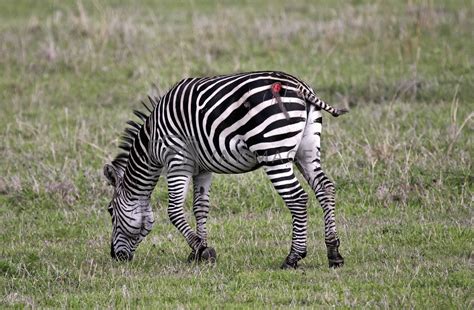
x,y
10,185
66,190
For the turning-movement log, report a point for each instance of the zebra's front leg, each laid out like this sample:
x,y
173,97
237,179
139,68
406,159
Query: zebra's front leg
x,y
177,188
289,188
202,185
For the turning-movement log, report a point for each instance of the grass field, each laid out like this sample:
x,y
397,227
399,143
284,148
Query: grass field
x,y
70,73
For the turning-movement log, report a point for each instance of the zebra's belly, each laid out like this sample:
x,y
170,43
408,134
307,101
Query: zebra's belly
x,y
235,157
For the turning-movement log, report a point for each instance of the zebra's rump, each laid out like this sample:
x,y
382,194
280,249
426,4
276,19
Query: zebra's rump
x,y
233,123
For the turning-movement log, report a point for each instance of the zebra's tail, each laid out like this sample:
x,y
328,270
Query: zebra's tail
x,y
313,99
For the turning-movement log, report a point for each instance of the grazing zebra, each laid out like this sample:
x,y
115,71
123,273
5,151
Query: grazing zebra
x,y
222,124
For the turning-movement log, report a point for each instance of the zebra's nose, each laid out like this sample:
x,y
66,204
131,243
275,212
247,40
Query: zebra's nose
x,y
123,256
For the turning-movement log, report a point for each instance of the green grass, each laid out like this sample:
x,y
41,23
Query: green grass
x,y
401,159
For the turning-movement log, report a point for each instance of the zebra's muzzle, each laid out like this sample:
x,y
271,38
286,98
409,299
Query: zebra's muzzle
x,y
121,255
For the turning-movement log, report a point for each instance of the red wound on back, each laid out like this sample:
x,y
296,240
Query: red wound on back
x,y
276,87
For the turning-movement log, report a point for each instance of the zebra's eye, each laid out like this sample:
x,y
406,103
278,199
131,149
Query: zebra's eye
x,y
110,209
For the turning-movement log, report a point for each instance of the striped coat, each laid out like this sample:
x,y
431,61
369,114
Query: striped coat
x,y
223,124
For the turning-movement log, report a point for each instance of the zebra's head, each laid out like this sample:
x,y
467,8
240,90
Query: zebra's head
x,y
132,219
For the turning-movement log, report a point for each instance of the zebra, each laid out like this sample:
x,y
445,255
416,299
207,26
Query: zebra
x,y
225,124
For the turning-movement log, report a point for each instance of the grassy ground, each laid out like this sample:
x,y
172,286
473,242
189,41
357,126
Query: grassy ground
x,y
401,160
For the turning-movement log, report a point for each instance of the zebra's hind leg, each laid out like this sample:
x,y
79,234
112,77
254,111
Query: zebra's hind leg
x,y
325,193
202,185
289,188
177,187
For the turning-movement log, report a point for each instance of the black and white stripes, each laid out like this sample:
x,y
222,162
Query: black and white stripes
x,y
223,124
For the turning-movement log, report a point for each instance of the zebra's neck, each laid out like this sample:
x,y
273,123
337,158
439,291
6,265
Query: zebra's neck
x,y
142,172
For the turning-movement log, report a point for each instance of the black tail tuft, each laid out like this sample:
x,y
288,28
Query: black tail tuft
x,y
338,112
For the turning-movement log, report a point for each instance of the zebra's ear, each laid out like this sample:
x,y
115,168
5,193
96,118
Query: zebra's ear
x,y
110,173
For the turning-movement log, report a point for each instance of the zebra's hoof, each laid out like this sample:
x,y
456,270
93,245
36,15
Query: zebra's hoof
x,y
287,265
206,254
334,257
193,257
209,255
291,261
336,262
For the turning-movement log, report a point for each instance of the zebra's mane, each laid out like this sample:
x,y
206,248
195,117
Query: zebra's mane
x,y
131,133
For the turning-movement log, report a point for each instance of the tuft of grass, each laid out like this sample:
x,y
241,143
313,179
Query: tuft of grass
x,y
401,159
